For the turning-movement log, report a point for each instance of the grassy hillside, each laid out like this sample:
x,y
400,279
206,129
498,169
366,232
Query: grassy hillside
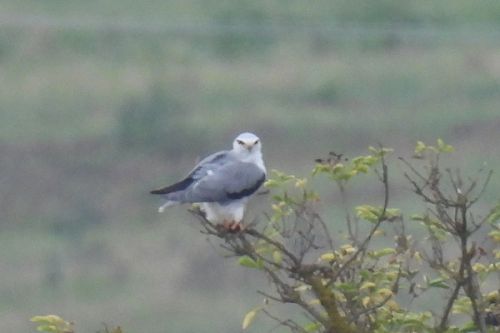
x,y
101,101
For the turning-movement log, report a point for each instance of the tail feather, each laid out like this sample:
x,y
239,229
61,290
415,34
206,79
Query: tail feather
x,y
167,204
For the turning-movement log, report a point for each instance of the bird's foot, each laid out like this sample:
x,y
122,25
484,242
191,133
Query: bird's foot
x,y
232,226
236,227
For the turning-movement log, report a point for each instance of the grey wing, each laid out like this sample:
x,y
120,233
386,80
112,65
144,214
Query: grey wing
x,y
233,180
209,164
202,169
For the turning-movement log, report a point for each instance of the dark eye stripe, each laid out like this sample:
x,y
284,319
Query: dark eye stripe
x,y
240,142
256,142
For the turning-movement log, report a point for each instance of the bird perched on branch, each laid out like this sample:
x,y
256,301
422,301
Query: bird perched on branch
x,y
222,183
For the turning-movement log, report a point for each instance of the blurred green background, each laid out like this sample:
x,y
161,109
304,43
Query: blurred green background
x,y
102,101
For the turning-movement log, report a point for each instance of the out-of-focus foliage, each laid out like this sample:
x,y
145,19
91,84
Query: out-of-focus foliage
x,y
55,324
52,324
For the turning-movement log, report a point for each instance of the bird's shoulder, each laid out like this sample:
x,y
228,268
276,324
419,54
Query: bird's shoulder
x,y
211,164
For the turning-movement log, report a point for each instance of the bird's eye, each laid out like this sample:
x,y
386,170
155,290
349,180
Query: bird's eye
x,y
240,142
256,142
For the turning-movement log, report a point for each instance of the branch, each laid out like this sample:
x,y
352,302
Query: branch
x,y
481,191
294,327
335,322
325,229
443,325
277,245
381,218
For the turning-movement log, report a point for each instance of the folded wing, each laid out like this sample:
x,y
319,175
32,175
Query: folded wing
x,y
232,181
221,183
204,167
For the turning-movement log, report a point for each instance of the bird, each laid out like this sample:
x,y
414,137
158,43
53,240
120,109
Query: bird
x,y
221,183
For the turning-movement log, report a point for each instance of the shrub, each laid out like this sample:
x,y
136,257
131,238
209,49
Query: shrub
x,y
430,272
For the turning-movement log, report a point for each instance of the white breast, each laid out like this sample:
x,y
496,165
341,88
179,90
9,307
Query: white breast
x,y
232,212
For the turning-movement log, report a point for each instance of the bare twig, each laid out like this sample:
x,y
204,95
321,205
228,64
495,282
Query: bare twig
x,y
294,327
363,245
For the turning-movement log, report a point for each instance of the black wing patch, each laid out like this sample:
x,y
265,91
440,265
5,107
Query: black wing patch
x,y
179,186
248,191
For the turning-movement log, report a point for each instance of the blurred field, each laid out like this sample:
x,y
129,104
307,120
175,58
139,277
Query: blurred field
x,y
102,101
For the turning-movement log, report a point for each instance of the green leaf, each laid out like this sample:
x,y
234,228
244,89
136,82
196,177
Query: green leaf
x,y
443,147
462,306
249,262
51,319
368,285
371,160
321,168
495,235
38,319
270,183
302,288
383,252
469,328
312,327
438,283
417,217
328,256
379,152
368,213
420,147
48,328
277,257
249,318
277,198
362,168
348,287
51,324
494,215
392,213
437,231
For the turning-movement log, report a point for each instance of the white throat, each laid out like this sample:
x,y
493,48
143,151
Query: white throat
x,y
254,157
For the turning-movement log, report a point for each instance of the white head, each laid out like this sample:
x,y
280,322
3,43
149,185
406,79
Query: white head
x,y
247,143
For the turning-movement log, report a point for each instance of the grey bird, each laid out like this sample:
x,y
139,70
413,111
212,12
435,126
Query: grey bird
x,y
222,183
